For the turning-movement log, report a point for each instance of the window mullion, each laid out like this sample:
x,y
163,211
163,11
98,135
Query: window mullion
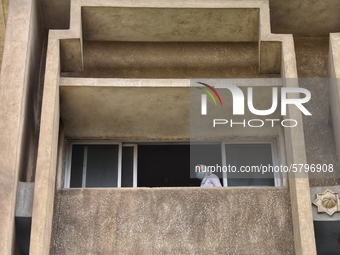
x,y
224,163
277,179
135,153
84,167
120,157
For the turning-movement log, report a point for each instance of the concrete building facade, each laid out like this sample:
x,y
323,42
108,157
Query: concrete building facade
x,y
90,86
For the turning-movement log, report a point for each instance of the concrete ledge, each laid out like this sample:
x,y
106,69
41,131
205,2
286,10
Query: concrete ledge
x,y
159,83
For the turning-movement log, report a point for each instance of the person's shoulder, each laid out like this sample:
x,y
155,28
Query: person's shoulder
x,y
213,176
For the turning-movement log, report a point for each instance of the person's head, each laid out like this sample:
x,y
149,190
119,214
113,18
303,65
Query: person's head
x,y
200,171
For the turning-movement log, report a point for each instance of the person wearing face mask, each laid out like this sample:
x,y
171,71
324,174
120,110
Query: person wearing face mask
x,y
208,179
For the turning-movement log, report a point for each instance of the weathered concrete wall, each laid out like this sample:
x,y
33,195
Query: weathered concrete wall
x,y
146,113
305,17
311,56
170,60
312,59
33,97
3,18
170,24
19,107
230,221
288,17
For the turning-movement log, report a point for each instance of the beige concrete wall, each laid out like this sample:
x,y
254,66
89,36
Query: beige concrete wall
x,y
300,18
170,60
19,102
305,18
116,23
312,65
296,154
32,99
47,154
173,221
154,113
3,18
334,86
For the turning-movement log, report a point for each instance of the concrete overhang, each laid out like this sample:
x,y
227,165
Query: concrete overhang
x,y
213,21
159,109
125,112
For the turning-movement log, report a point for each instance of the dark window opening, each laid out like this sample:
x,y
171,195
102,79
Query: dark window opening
x,y
327,236
171,165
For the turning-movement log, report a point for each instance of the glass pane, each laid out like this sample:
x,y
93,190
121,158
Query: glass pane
x,y
77,166
327,236
102,166
127,167
206,154
249,155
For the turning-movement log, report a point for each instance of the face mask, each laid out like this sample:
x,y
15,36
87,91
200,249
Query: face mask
x,y
200,175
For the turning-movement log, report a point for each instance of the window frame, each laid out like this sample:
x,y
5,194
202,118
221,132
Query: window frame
x,y
275,150
278,178
135,161
70,144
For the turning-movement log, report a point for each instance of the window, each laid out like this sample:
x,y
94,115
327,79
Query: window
x,y
101,165
248,159
115,164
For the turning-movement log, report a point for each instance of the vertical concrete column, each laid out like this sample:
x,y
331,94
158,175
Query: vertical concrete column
x,y
3,17
45,177
42,214
294,141
295,147
14,83
334,74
